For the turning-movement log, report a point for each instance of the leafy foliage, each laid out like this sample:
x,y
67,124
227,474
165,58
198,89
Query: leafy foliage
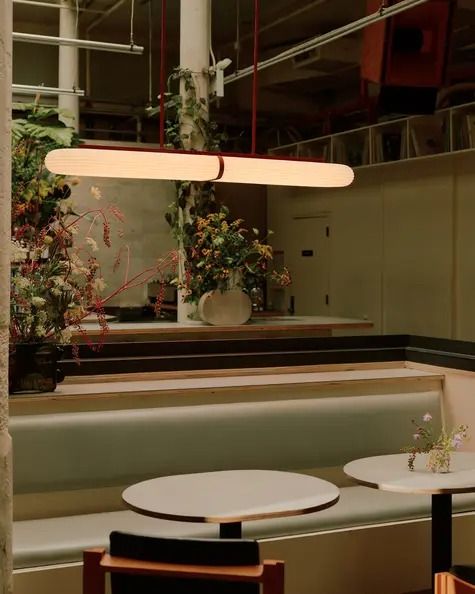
x,y
56,276
187,123
35,191
220,255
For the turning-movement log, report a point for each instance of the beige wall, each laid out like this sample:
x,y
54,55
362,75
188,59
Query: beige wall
x,y
457,400
146,232
402,244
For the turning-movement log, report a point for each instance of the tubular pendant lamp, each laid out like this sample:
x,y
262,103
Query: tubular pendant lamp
x,y
132,164
169,165
193,166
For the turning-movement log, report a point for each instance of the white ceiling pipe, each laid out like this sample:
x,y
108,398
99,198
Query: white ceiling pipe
x,y
33,90
54,5
81,43
327,38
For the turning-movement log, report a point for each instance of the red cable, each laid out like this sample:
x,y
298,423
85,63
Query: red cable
x,y
254,78
163,48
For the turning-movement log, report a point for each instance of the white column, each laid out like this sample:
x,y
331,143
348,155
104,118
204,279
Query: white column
x,y
68,65
6,586
195,39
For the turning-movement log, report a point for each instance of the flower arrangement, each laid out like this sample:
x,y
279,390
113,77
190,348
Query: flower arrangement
x,y
57,279
439,447
220,255
56,276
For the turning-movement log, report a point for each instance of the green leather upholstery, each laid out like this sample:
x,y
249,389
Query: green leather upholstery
x,y
92,449
56,452
62,540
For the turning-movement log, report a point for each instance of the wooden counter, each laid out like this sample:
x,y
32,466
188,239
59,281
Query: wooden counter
x,y
264,327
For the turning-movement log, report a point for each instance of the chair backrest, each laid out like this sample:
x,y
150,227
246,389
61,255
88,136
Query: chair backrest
x,y
149,565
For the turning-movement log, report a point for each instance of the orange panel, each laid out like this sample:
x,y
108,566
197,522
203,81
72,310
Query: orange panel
x,y
372,55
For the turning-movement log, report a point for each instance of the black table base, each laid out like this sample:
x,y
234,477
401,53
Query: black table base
x,y
441,534
230,530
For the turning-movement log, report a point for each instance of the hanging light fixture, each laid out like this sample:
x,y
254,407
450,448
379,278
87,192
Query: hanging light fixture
x,y
199,167
133,164
195,166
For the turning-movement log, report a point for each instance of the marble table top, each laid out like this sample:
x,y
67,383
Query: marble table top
x,y
391,473
230,496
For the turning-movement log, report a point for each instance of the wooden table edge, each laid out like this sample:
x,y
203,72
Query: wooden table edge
x,y
232,519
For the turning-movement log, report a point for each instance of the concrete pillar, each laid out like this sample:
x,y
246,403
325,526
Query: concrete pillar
x,y
195,39
6,586
68,65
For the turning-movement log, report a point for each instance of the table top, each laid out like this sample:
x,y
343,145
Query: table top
x,y
391,473
230,496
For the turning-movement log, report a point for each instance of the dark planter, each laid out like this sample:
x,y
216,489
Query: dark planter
x,y
33,367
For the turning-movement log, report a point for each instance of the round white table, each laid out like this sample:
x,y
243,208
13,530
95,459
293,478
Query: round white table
x,y
391,473
230,497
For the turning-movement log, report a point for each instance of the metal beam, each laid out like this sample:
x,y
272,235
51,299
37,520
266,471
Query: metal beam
x,y
104,15
320,40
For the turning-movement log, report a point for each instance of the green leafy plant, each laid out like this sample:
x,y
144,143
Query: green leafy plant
x,y
438,446
188,125
221,255
35,191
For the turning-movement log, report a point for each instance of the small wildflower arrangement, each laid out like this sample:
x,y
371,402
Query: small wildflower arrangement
x,y
438,446
55,281
220,255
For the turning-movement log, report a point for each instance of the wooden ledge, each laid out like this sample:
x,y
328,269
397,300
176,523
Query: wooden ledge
x,y
240,385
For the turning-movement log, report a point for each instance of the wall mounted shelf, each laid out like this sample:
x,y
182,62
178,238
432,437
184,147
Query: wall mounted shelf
x,y
446,131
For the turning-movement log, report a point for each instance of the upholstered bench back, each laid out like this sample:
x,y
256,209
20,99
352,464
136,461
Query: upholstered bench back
x,y
55,452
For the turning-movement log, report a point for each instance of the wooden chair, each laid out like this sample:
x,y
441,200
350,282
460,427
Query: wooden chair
x,y
460,580
148,565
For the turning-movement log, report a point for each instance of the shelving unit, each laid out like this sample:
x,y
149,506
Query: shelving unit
x,y
446,131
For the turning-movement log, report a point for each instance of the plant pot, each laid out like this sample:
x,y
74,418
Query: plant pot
x,y
225,308
33,367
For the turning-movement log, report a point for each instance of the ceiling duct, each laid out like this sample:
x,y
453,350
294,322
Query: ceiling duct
x,y
327,58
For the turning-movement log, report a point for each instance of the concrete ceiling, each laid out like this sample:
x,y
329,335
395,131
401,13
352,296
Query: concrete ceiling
x,y
293,90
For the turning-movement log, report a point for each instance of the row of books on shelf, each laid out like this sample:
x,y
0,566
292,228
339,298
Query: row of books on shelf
x,y
424,136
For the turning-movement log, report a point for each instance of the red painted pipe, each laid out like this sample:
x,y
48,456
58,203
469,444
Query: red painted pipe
x,y
255,77
163,49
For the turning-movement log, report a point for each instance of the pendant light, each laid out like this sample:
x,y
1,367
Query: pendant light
x,y
167,164
199,167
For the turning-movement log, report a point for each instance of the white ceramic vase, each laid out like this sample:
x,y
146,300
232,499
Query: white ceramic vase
x,y
225,308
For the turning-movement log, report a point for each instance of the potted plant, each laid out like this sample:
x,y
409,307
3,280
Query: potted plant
x,y
223,264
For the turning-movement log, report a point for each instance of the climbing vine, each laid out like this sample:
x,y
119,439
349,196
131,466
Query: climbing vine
x,y
187,125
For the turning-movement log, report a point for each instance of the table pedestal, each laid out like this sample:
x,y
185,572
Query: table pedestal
x,y
230,530
441,534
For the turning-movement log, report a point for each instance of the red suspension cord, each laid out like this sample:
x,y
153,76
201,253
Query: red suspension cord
x,y
255,78
163,48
